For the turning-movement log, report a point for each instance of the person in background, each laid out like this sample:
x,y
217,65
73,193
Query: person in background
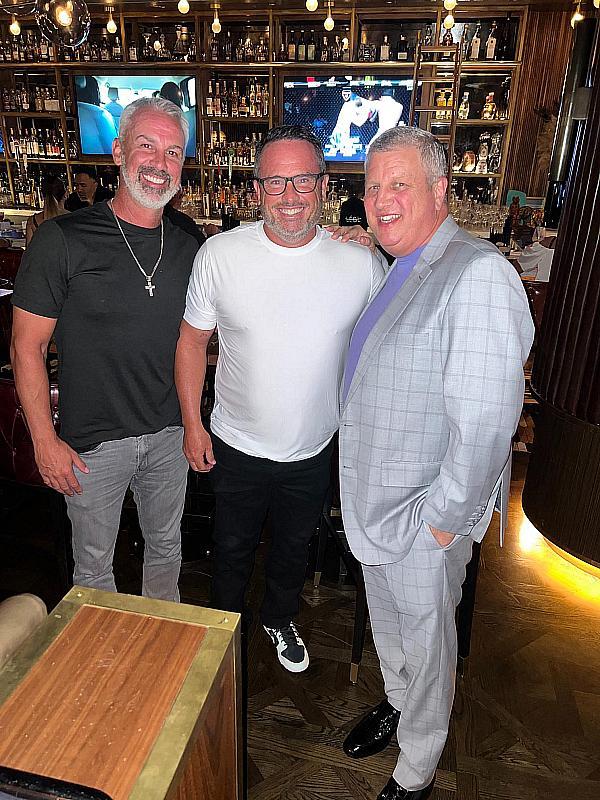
x,y
352,210
87,190
432,394
114,108
173,212
535,262
284,296
110,282
54,194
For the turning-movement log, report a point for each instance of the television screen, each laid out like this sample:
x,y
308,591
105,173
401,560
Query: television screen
x,y
102,98
347,113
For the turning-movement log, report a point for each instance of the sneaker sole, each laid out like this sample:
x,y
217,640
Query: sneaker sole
x,y
291,666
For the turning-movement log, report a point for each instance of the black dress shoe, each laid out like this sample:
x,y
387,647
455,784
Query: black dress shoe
x,y
392,791
374,732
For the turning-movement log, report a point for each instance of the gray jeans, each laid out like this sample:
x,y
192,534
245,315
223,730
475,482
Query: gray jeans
x,y
156,469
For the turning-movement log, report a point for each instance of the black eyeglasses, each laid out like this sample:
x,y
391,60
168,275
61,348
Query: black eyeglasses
x,y
276,184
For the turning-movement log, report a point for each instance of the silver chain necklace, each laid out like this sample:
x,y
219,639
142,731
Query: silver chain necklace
x,y
149,285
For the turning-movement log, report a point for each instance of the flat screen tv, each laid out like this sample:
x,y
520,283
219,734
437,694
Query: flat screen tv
x,y
102,98
346,112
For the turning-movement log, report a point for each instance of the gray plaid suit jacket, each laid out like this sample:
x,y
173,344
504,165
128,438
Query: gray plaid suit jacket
x,y
436,396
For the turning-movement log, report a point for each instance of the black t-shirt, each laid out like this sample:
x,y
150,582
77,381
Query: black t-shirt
x,y
74,202
352,212
116,344
185,222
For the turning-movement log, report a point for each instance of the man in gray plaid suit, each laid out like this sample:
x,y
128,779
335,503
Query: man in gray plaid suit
x,y
432,394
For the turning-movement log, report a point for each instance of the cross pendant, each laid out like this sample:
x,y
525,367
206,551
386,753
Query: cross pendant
x,y
150,287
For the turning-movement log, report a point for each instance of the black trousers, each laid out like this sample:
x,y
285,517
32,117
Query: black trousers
x,y
247,489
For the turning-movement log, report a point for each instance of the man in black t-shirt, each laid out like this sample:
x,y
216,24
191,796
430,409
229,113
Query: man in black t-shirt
x,y
110,283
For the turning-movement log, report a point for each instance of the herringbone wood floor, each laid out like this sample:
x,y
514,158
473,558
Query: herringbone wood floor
x,y
526,720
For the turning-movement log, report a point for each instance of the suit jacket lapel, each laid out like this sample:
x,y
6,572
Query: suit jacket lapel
x,y
421,271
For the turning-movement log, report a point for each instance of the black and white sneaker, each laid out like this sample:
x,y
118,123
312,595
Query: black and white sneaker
x,y
291,651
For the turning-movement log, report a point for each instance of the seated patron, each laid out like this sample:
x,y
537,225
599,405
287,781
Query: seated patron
x,y
87,190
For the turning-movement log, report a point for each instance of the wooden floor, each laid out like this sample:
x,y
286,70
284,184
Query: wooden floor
x,y
526,721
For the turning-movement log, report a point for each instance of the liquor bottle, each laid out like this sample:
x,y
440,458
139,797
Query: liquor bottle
x,y
449,104
224,100
191,50
364,49
505,48
282,55
252,100
15,48
243,106
490,45
489,107
214,48
132,51
345,47
475,43
301,48
463,109
402,52
440,103
235,99
324,56
239,50
311,48
265,103
248,49
428,38
228,48
104,46
384,50
262,50
504,99
24,98
291,48
117,50
466,41
209,101
95,51
217,99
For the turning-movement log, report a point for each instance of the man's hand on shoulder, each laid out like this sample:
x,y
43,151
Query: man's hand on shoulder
x,y
197,448
443,538
55,461
352,233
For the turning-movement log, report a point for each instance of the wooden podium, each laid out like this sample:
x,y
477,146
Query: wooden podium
x,y
137,698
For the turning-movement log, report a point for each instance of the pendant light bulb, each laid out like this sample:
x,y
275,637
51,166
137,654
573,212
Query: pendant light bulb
x,y
183,6
449,22
64,14
216,26
577,16
15,28
312,5
597,3
157,45
329,24
111,25
449,5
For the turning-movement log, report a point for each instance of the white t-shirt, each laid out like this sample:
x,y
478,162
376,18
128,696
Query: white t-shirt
x,y
284,315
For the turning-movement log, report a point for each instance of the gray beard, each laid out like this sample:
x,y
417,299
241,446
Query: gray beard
x,y
146,197
291,236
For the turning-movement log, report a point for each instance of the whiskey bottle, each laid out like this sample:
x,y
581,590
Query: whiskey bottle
x,y
104,46
291,48
265,103
248,49
324,51
301,49
428,38
311,47
440,103
235,99
475,43
345,47
209,101
117,51
262,51
364,49
191,50
463,109
214,48
490,45
402,53
217,99
489,107
133,52
228,48
384,50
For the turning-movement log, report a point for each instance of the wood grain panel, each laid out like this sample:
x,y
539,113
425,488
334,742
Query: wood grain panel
x,y
91,708
547,47
211,772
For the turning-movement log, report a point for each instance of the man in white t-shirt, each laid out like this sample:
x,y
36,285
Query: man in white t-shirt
x,y
285,296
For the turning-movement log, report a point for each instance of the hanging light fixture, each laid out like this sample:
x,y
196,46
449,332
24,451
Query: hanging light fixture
x,y
449,22
111,25
597,3
15,28
577,16
312,5
65,22
449,5
329,23
216,24
183,6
